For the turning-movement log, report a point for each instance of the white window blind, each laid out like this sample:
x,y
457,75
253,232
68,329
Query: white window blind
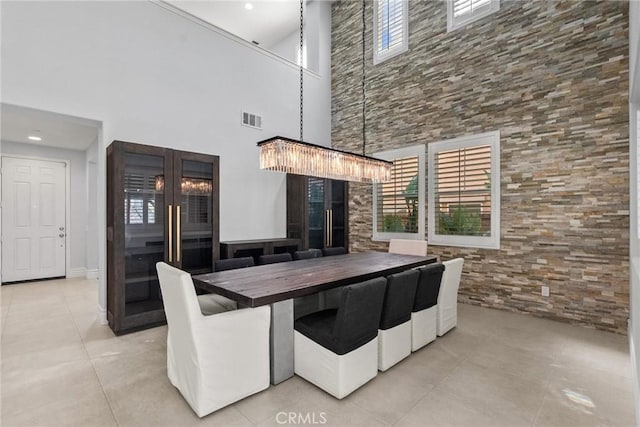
x,y
463,12
398,198
390,29
399,203
139,202
464,191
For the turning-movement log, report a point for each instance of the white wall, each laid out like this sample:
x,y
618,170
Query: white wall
x,y
288,46
92,231
152,76
78,196
316,15
634,47
634,232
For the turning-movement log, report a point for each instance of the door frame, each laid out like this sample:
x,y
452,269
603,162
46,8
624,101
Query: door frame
x,y
67,191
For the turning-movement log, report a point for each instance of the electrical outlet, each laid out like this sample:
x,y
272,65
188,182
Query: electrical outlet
x,y
545,291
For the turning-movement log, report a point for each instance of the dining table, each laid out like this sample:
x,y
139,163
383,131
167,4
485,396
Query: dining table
x,y
279,284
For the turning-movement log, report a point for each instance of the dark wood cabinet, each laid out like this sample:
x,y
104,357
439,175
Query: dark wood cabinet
x,y
317,211
162,205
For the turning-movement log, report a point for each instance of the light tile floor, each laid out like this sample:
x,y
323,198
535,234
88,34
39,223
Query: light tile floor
x,y
60,367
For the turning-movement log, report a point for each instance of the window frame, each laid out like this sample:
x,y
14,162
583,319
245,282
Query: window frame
x,y
456,23
483,242
411,151
379,57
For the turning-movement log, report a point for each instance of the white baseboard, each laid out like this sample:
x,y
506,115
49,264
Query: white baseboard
x,y
77,272
102,315
92,274
635,374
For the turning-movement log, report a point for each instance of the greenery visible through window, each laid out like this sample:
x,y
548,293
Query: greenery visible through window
x,y
464,191
399,203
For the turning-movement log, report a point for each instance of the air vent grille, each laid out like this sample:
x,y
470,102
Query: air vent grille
x,y
251,120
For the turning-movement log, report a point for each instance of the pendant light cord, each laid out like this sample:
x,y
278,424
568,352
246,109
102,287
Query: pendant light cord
x,y
364,82
300,58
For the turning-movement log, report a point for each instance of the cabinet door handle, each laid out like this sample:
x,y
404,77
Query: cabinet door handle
x,y
178,236
326,228
331,227
170,221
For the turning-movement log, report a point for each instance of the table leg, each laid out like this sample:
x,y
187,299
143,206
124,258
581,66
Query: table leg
x,y
281,341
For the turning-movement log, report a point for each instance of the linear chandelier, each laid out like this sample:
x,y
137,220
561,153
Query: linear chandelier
x,y
301,158
188,185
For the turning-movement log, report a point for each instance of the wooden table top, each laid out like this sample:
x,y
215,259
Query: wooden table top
x,y
266,284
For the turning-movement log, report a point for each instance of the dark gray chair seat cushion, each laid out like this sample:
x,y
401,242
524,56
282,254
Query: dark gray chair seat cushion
x,y
334,251
233,263
353,324
398,298
275,258
428,286
311,253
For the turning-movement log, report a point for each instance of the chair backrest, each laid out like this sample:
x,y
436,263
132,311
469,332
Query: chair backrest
x,y
358,314
338,250
307,254
408,247
180,305
274,258
450,281
398,298
233,263
428,286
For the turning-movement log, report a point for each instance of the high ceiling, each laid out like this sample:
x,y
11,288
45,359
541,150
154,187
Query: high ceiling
x,y
267,22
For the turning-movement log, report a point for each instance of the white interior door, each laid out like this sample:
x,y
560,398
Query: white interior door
x,y
33,219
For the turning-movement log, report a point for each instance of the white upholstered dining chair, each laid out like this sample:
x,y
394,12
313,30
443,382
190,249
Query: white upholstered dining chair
x,y
448,296
424,316
408,247
212,360
337,349
394,332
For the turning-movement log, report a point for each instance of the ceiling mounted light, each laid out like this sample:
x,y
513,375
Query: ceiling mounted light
x,y
35,136
301,158
248,6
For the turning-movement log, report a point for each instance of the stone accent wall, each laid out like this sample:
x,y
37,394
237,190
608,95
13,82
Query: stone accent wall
x,y
553,78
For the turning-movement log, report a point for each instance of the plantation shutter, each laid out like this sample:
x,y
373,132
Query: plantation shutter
x,y
463,191
397,200
390,26
139,203
461,12
465,7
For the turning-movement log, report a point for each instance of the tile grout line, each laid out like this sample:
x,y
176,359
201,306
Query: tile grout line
x,y
465,358
556,359
93,367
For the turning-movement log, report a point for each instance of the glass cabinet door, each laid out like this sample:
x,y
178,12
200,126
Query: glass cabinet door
x,y
194,197
144,230
337,214
317,213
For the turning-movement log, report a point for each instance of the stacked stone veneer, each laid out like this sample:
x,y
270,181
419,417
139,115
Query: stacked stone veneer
x,y
552,77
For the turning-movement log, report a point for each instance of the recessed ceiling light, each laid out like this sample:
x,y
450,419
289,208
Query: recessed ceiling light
x,y
248,6
35,136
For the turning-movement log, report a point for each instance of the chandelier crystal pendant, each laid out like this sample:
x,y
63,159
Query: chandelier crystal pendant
x,y
302,158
